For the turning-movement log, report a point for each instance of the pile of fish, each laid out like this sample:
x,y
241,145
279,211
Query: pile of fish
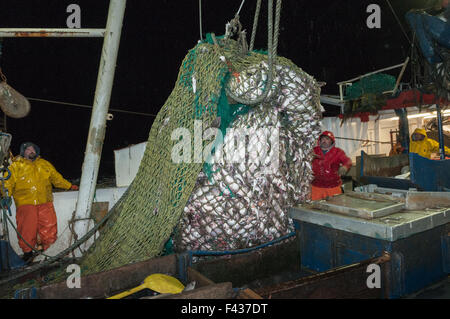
x,y
262,168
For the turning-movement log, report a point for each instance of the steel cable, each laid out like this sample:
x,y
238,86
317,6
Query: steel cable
x,y
272,32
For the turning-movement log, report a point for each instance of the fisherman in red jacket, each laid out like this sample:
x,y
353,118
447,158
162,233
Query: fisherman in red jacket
x,y
329,164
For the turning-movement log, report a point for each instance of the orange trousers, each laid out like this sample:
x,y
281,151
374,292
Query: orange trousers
x,y
318,193
34,220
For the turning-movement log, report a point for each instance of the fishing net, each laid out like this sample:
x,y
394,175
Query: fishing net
x,y
372,84
366,95
263,166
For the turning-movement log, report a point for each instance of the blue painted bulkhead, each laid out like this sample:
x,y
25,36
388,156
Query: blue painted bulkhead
x,y
416,261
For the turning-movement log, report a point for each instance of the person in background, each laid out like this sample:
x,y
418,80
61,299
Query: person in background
x,y
30,184
396,149
424,146
329,164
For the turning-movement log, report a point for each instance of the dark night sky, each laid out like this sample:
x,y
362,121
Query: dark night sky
x,y
328,39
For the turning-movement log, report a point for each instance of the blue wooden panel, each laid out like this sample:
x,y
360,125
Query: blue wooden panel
x,y
324,248
316,251
351,248
445,239
430,175
416,261
422,261
390,182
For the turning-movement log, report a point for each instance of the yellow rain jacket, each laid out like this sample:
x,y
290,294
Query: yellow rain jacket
x,y
426,147
31,181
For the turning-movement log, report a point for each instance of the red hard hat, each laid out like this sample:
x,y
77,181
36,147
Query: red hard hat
x,y
329,134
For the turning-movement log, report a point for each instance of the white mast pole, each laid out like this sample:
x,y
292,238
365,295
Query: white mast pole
x,y
98,119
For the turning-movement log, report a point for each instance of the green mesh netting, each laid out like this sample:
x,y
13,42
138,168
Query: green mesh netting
x,y
372,84
366,95
226,113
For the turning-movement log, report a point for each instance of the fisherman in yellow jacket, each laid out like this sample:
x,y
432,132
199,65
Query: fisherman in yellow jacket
x,y
30,184
423,145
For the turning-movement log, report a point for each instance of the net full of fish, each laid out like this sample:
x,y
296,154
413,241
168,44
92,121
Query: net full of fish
x,y
262,168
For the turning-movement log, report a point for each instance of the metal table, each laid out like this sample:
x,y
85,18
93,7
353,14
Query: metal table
x,y
417,240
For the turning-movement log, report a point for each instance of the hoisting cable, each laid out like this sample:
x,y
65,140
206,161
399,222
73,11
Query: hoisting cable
x,y
270,56
272,32
200,18
1,49
255,25
2,76
234,23
398,21
240,7
89,106
360,140
276,28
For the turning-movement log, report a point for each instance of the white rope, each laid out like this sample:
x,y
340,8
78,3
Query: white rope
x,y
200,18
242,3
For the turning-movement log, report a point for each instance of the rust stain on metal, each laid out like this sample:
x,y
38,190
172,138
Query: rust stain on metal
x,y
91,137
31,34
384,166
424,200
44,34
343,282
96,138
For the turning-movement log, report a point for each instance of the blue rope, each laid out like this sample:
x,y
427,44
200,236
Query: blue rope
x,y
235,252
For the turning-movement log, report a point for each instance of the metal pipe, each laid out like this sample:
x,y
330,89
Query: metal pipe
x,y
51,33
403,127
97,126
374,72
441,132
239,251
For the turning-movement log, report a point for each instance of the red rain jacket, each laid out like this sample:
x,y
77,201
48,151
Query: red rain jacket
x,y
325,167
